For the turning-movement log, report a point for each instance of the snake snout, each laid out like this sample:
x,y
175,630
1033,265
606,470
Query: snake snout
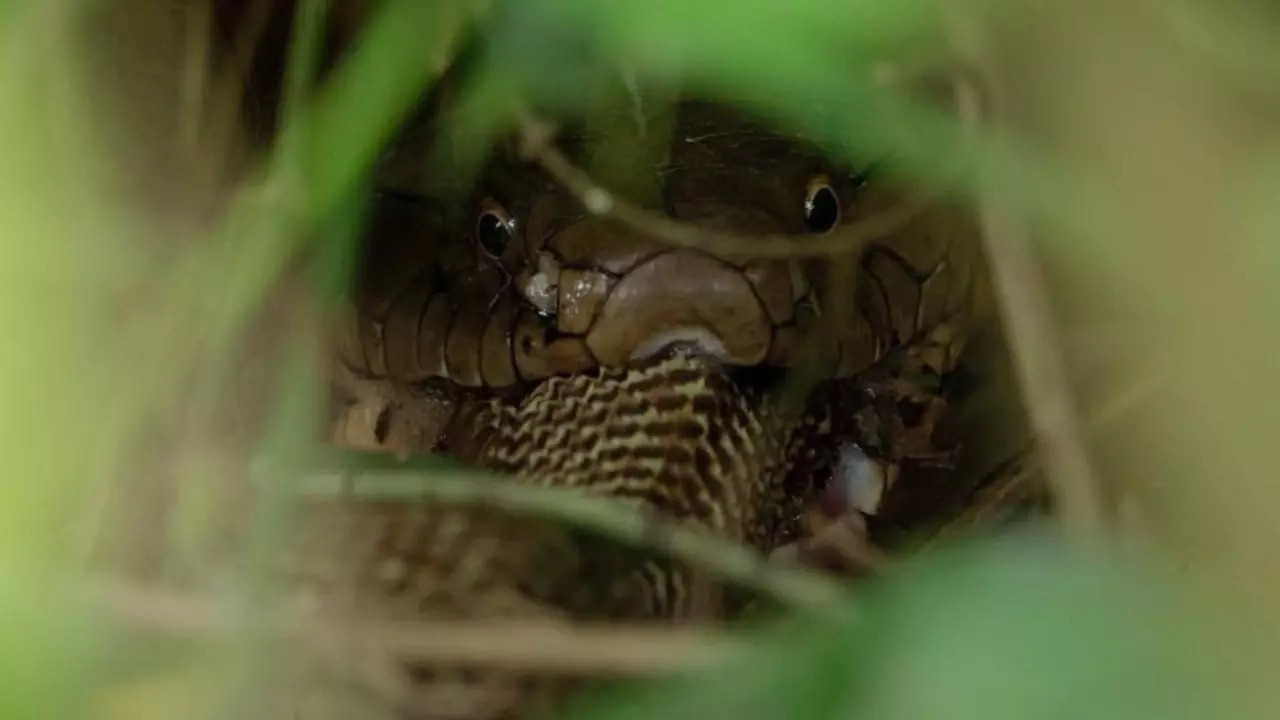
x,y
682,301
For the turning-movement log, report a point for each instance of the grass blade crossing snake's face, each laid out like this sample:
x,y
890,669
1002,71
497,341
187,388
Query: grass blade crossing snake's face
x,y
517,281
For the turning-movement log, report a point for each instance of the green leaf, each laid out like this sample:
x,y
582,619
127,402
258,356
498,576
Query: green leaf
x,y
1019,628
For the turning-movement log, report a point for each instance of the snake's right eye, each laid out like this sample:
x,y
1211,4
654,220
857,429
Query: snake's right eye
x,y
494,228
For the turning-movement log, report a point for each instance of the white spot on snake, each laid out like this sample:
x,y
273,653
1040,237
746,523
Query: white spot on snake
x,y
862,478
542,287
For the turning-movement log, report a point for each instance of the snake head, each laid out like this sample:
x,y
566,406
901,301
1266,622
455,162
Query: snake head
x,y
529,279
600,290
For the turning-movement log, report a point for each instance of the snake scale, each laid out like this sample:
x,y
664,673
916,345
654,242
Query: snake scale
x,y
531,337
515,281
673,436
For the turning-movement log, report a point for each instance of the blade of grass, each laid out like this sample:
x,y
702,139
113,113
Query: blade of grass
x,y
212,291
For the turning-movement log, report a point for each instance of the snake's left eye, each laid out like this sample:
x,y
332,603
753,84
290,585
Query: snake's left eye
x,y
494,228
821,206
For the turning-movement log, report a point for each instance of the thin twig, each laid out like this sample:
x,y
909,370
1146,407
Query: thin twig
x,y
1010,485
598,200
540,645
227,96
304,56
1019,287
604,516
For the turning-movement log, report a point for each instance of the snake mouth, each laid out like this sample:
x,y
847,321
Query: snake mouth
x,y
702,346
686,341
679,299
672,302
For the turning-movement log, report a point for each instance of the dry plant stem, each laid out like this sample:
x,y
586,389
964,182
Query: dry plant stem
x,y
793,586
195,64
1036,354
211,290
304,55
840,548
1016,481
537,645
221,99
536,139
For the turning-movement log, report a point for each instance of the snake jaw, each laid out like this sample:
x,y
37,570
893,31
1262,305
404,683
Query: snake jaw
x,y
681,296
687,340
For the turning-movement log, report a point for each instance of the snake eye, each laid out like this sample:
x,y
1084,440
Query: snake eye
x,y
821,206
494,228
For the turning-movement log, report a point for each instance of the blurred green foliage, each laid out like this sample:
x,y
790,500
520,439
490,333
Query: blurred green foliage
x,y
1018,628
1013,629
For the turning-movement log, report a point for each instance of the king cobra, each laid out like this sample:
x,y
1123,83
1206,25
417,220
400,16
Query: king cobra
x,y
520,282
570,350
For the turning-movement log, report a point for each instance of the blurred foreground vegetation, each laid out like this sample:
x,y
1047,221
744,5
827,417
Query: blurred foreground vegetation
x,y
1129,149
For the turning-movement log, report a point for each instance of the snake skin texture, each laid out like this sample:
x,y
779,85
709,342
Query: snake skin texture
x,y
673,437
518,286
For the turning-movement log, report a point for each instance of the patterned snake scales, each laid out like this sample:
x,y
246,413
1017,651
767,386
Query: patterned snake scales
x,y
534,337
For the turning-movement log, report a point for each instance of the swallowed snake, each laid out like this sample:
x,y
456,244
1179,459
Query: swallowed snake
x,y
531,336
